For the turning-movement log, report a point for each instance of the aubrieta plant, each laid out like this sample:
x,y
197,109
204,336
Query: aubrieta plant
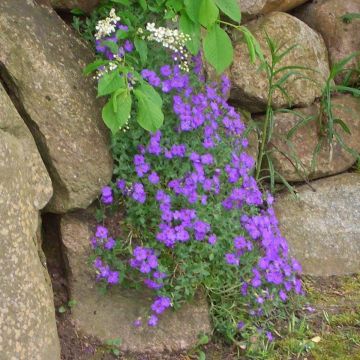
x,y
196,219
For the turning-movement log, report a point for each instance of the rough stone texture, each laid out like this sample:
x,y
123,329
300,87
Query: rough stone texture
x,y
112,316
300,149
28,328
41,61
342,39
85,5
322,228
251,8
250,86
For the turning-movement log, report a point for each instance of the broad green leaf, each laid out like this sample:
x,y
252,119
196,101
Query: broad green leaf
x,y
193,29
122,34
208,13
175,5
115,120
143,4
94,66
149,114
193,9
109,83
218,49
142,49
151,93
230,8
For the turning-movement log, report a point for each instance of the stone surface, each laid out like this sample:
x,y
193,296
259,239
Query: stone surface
x,y
27,318
250,85
322,228
85,5
301,147
112,316
251,8
342,39
41,61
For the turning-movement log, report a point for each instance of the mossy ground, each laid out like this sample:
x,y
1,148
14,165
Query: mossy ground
x,y
330,331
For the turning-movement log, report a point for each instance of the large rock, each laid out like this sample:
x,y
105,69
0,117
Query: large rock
x,y
112,316
342,38
300,149
27,317
322,227
42,61
251,8
85,5
250,85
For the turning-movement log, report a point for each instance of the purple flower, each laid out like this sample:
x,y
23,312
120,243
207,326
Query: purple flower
x,y
240,325
110,244
231,259
160,304
137,323
212,239
154,178
101,232
140,253
153,320
128,46
139,194
269,336
121,184
165,70
113,277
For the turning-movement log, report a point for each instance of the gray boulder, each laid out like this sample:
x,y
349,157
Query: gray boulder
x,y
250,85
293,157
341,38
322,227
27,317
41,62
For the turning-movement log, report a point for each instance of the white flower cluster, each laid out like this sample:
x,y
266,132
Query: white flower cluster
x,y
107,26
171,39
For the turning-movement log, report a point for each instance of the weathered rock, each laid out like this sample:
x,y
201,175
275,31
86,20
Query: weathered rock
x,y
322,228
299,150
250,85
341,38
85,5
27,318
42,61
251,8
112,316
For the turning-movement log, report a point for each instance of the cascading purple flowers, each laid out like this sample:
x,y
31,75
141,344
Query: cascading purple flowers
x,y
206,112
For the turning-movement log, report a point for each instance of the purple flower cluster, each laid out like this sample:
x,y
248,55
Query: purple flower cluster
x,y
104,272
103,46
226,181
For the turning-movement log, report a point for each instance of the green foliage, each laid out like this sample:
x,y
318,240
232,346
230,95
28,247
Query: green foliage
x,y
218,48
349,17
327,122
277,77
112,346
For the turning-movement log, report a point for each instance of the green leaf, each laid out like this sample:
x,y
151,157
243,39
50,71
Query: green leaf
x,y
208,13
109,83
218,49
122,2
142,49
151,93
122,34
77,12
149,114
204,339
94,66
115,120
187,26
143,4
230,8
193,9
202,355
